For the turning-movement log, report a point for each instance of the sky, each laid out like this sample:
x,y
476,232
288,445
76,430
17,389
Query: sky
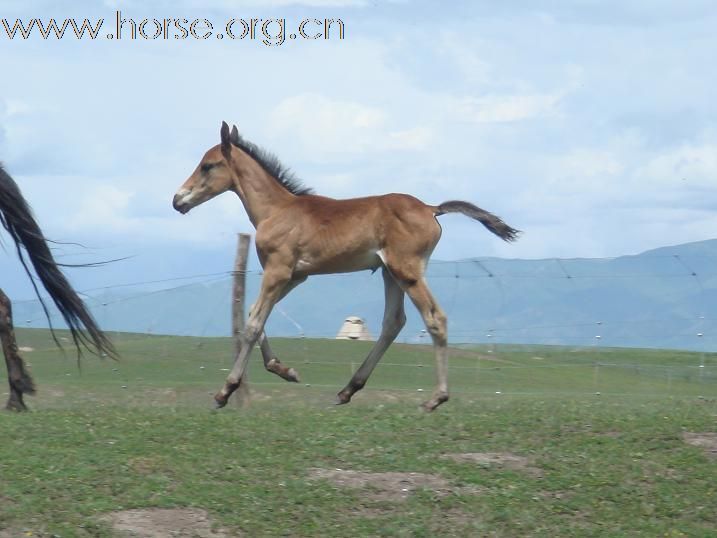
x,y
589,125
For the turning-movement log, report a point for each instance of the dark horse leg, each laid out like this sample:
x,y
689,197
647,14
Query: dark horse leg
x,y
20,380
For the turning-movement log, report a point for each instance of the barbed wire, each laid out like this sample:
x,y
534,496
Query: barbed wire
x,y
689,325
483,363
481,263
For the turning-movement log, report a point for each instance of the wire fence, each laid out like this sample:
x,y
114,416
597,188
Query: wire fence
x,y
512,311
667,301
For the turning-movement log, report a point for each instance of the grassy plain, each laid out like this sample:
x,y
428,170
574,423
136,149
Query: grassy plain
x,y
535,442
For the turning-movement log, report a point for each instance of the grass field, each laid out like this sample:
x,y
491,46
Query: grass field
x,y
534,442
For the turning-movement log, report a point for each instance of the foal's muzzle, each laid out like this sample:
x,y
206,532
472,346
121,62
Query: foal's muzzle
x,y
180,204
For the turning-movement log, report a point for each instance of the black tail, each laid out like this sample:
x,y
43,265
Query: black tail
x,y
487,219
16,217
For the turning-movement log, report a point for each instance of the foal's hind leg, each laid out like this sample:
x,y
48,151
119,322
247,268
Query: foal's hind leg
x,y
20,381
436,324
394,318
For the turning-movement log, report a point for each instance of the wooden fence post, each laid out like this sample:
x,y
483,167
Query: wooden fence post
x,y
238,301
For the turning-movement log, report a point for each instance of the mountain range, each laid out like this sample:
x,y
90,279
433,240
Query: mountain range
x,y
662,298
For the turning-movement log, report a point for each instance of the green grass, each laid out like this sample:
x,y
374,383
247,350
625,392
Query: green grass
x,y
139,433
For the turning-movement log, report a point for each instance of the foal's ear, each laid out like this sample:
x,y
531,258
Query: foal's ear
x,y
235,135
226,142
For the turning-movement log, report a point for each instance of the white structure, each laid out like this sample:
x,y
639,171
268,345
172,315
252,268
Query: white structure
x,y
354,328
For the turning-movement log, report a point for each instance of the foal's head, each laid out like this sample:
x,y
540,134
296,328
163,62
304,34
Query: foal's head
x,y
212,176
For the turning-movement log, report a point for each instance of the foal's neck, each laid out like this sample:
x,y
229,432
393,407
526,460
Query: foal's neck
x,y
261,194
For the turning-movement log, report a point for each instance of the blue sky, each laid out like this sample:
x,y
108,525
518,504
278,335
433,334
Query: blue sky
x,y
590,125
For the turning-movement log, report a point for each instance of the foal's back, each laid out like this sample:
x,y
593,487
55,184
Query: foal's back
x,y
333,236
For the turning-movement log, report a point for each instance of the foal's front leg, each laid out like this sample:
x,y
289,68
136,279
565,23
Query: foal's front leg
x,y
271,361
20,380
273,364
273,285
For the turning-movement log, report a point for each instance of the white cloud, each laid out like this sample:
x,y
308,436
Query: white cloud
x,y
102,205
417,138
686,166
589,174
337,185
16,107
590,163
507,108
320,113
470,58
325,126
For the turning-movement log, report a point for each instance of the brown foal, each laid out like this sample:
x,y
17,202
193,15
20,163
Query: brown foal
x,y
299,234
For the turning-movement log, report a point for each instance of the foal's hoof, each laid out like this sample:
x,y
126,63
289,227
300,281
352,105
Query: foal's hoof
x,y
434,402
342,399
293,376
220,401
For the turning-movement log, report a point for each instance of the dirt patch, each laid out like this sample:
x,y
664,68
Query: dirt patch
x,y
145,465
25,349
7,533
455,352
706,441
160,395
468,354
387,396
392,486
501,460
553,495
164,523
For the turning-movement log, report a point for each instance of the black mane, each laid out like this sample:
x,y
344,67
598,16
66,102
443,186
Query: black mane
x,y
271,164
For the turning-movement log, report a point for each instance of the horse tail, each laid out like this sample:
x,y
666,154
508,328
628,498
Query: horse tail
x,y
494,223
17,218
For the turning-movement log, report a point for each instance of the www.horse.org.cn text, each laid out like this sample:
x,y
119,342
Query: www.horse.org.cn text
x,y
270,31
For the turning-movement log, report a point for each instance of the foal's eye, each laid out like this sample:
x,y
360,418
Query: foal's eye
x,y
206,167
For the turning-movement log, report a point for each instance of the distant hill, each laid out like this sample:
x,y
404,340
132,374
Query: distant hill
x,y
662,298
